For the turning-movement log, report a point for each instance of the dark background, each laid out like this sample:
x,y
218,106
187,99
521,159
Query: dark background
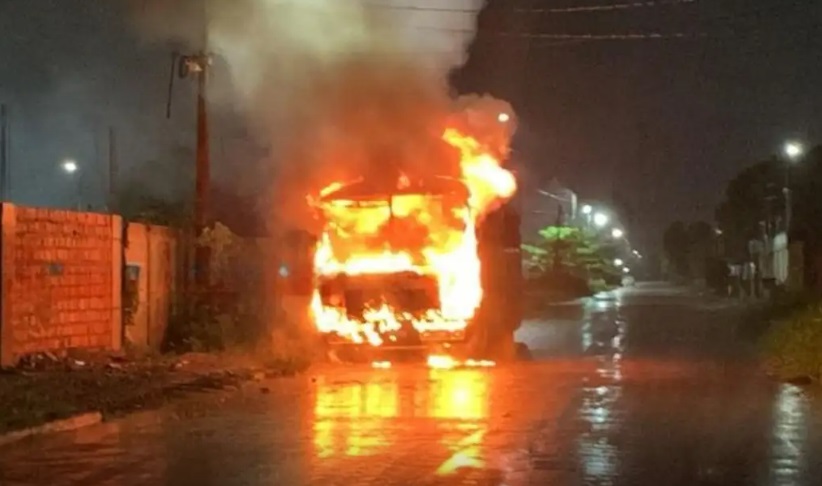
x,y
653,126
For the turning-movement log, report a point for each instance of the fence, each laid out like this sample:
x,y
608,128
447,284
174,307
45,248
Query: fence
x,y
152,277
74,280
61,279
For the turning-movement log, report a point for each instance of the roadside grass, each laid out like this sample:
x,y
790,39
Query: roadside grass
x,y
792,346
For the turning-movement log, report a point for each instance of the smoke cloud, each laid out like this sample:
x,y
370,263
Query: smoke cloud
x,y
339,89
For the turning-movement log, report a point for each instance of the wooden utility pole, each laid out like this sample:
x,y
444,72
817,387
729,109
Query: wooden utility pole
x,y
186,66
202,258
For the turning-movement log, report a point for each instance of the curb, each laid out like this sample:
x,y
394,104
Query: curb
x,y
63,425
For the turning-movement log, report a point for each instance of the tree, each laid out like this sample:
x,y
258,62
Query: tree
x,y
752,198
806,185
676,242
754,202
564,249
688,247
701,238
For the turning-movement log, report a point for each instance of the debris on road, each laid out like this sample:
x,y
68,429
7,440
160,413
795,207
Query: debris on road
x,y
45,387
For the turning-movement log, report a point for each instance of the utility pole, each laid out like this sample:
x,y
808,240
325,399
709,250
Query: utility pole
x,y
203,178
187,66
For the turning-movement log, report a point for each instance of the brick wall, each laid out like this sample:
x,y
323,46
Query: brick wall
x,y
61,277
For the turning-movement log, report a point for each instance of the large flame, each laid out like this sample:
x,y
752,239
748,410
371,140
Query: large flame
x,y
420,234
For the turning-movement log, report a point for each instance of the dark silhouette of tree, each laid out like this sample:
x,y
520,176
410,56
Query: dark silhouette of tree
x,y
754,202
752,199
675,242
806,184
701,238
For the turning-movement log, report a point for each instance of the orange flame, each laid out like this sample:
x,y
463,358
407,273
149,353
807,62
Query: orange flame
x,y
419,234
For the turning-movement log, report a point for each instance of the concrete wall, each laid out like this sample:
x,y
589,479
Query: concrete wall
x,y
781,259
60,281
152,257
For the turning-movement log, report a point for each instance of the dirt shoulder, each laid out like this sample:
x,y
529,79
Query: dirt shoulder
x,y
58,389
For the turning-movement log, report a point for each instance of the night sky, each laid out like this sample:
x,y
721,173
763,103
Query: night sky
x,y
655,125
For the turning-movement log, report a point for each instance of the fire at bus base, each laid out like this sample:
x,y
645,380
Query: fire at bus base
x,y
397,265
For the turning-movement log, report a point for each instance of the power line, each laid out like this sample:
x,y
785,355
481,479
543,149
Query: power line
x,y
626,36
606,8
553,10
583,36
414,8
716,23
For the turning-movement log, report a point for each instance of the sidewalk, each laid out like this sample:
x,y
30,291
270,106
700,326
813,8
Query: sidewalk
x,y
52,389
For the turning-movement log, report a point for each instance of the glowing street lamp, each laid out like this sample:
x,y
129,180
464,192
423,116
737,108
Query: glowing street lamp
x,y
793,150
618,262
601,219
587,209
617,233
69,166
626,270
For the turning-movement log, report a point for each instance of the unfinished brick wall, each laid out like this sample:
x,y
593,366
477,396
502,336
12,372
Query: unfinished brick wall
x,y
61,281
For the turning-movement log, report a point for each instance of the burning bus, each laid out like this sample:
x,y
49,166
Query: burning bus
x,y
398,262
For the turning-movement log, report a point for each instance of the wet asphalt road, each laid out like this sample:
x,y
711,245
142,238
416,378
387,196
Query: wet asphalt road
x,y
652,386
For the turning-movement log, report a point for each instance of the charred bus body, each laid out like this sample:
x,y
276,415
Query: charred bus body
x,y
379,283
416,303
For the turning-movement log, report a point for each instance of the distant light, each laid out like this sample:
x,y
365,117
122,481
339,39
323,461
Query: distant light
x,y
794,150
626,270
504,117
600,219
284,273
70,166
637,254
617,233
618,262
587,209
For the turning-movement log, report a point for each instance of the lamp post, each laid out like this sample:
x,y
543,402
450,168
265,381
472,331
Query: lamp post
x,y
71,168
793,151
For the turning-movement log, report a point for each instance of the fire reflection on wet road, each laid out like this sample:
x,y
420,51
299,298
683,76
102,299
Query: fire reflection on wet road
x,y
644,388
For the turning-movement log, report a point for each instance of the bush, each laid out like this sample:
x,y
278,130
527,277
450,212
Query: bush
x,y
213,322
793,346
561,283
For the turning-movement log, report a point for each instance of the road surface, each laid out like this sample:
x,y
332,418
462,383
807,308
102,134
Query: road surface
x,y
652,386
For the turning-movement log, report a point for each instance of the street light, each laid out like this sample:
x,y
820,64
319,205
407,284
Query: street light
x,y
618,262
70,166
794,150
587,209
626,270
637,254
601,219
617,233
